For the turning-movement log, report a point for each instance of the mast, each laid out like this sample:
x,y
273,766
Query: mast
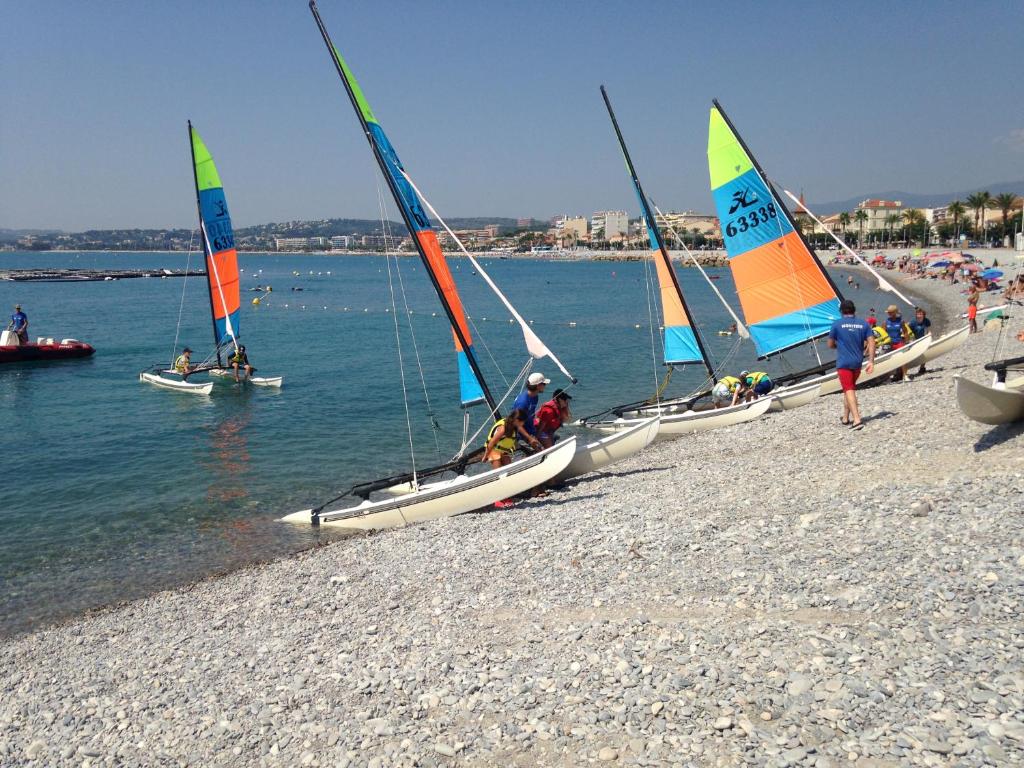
x,y
652,226
406,214
771,189
208,257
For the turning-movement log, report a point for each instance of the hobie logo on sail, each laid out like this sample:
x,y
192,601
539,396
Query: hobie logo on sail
x,y
739,200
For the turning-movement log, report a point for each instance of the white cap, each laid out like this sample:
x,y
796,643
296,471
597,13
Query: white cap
x,y
535,379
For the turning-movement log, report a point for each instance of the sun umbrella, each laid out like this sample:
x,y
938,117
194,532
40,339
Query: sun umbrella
x,y
939,264
991,274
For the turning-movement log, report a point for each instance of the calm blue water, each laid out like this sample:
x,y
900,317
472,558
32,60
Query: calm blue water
x,y
114,488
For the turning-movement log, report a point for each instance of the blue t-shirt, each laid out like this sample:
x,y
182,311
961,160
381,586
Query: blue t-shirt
x,y
528,404
894,327
850,334
920,328
20,320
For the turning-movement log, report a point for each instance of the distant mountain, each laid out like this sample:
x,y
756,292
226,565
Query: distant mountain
x,y
912,199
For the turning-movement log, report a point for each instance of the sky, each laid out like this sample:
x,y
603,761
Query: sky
x,y
493,107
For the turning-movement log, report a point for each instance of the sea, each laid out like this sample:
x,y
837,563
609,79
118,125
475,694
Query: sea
x,y
114,489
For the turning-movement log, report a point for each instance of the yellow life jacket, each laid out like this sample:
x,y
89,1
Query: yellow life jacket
x,y
507,444
755,377
881,336
908,334
180,364
238,357
731,382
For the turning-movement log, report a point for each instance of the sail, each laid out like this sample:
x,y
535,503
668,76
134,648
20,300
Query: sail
x,y
681,344
471,384
218,243
786,296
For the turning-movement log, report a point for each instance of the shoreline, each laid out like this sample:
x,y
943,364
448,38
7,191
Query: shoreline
x,y
700,603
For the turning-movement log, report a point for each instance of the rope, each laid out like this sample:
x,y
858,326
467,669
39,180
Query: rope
x,y
650,322
487,424
181,306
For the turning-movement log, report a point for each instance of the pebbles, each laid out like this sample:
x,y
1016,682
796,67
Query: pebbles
x,y
766,594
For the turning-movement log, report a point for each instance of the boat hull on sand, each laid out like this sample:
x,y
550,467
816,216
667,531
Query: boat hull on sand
x,y
989,405
795,395
885,364
256,381
177,384
675,424
598,454
447,498
946,343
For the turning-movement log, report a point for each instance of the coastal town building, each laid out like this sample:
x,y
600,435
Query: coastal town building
x,y
609,225
689,223
570,229
878,211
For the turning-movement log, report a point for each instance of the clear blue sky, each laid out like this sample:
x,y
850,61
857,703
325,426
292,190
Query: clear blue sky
x,y
493,107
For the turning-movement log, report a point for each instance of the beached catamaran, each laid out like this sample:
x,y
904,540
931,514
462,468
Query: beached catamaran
x,y
682,344
787,297
218,241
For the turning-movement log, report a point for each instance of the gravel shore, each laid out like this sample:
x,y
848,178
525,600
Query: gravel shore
x,y
783,592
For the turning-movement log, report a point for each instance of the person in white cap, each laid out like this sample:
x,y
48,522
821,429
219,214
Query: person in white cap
x,y
527,401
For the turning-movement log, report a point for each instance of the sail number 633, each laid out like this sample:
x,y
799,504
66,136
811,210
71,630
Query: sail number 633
x,y
751,219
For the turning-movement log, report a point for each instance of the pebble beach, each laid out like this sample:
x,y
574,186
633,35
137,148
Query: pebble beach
x,y
784,592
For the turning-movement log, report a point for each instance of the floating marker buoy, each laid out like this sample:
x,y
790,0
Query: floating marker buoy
x,y
365,309
261,271
328,272
387,309
572,323
319,273
637,325
531,322
256,301
345,309
511,320
484,319
433,314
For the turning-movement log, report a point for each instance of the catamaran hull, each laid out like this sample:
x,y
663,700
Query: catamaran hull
x,y
177,384
602,453
447,498
256,381
788,398
946,343
988,404
885,364
675,424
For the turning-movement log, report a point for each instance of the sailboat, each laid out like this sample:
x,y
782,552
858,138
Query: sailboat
x,y
404,499
787,297
218,241
682,343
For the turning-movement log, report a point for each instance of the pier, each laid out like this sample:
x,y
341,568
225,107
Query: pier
x,y
88,275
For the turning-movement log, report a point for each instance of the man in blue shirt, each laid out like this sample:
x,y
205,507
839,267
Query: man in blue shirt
x,y
527,401
920,326
894,327
849,336
19,324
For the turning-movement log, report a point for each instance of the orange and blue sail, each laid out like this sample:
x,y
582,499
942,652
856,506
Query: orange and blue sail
x,y
681,344
786,296
218,243
472,387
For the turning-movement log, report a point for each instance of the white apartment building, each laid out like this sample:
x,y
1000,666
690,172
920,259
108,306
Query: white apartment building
x,y
609,225
877,211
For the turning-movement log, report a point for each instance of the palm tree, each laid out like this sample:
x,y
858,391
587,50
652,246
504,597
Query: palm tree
x,y
913,217
892,220
844,222
861,216
978,202
1004,202
956,210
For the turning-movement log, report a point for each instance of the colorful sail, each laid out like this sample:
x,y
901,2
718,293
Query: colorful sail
x,y
473,389
680,342
218,243
786,296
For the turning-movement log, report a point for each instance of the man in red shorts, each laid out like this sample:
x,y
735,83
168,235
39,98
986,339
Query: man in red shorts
x,y
850,337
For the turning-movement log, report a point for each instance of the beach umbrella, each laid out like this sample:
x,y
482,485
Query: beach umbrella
x,y
939,264
991,274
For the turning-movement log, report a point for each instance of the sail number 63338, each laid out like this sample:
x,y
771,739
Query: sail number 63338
x,y
751,219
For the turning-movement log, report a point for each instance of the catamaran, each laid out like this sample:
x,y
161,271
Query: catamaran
x,y
682,344
218,241
787,297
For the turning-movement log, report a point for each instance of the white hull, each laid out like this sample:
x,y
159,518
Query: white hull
x,y
947,343
177,384
256,381
675,424
599,454
795,395
987,404
446,498
884,365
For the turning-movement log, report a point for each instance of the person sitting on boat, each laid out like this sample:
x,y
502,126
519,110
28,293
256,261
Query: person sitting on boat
x,y
551,416
920,326
501,444
756,383
183,365
526,401
728,388
241,360
871,319
897,334
19,324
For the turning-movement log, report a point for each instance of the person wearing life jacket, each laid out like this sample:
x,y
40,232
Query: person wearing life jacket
x,y
240,360
882,341
919,327
501,444
551,416
756,383
183,364
728,388
895,326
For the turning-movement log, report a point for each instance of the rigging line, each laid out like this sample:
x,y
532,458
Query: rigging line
x,y
650,325
181,306
398,334
220,288
487,424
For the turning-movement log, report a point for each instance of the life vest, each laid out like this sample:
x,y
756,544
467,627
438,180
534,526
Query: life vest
x,y
731,382
507,444
881,336
238,357
908,332
754,378
180,364
549,416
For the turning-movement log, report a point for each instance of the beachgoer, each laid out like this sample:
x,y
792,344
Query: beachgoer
x,y
728,388
894,327
872,320
849,280
19,324
241,360
850,338
972,313
183,365
527,402
756,383
501,444
551,416
920,326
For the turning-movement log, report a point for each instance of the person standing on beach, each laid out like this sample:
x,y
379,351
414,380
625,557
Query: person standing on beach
x,y
850,338
972,312
894,327
920,326
526,401
19,324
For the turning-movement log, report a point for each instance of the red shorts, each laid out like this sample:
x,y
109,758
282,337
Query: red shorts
x,y
848,378
972,312
898,344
